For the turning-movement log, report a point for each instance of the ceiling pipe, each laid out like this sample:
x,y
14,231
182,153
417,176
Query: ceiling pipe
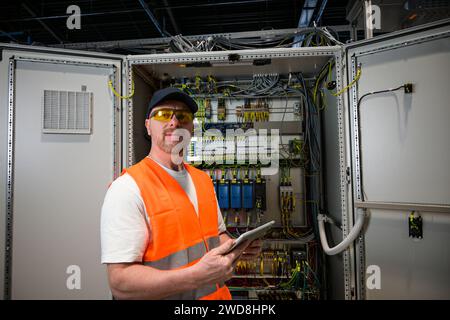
x,y
152,17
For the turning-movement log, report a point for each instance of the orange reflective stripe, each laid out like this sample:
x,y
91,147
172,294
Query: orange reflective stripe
x,y
185,256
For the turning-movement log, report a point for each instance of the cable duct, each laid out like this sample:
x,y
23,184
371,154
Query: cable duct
x,y
347,241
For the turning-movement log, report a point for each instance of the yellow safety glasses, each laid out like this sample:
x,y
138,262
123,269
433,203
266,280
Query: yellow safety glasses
x,y
165,115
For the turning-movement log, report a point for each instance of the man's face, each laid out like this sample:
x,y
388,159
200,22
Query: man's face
x,y
162,132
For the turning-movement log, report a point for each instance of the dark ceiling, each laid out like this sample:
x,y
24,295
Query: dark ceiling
x,y
44,22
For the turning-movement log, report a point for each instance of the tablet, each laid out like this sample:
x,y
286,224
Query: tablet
x,y
252,234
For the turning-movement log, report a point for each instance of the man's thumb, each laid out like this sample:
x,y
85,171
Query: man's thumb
x,y
222,249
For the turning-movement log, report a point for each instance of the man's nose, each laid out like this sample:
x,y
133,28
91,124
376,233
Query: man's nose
x,y
174,122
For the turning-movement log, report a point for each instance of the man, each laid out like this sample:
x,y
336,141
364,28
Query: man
x,y
162,232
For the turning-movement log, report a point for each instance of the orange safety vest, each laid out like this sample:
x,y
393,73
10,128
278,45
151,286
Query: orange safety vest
x,y
179,237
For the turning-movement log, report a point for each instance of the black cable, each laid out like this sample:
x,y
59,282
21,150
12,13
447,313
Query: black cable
x,y
376,92
359,131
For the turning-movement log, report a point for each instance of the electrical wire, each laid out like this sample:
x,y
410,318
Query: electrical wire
x,y
357,76
110,85
178,43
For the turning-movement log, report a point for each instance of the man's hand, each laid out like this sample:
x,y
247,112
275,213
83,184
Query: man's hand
x,y
216,266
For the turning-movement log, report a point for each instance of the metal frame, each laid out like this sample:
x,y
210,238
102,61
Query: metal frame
x,y
356,289
404,44
68,52
65,62
347,220
116,128
403,206
129,111
10,181
222,56
10,157
358,204
397,34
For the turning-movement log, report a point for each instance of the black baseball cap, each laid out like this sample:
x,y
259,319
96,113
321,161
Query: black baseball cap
x,y
171,93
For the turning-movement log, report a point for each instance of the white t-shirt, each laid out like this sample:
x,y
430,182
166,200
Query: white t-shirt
x,y
125,227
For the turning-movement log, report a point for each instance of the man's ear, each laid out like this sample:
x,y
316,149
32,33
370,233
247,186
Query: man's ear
x,y
147,126
146,131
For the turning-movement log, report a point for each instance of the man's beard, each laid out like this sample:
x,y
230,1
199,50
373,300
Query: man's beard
x,y
167,143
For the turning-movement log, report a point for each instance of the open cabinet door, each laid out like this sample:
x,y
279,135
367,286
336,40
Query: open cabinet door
x,y
63,145
400,163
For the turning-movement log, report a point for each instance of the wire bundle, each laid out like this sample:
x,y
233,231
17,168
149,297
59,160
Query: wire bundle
x,y
306,37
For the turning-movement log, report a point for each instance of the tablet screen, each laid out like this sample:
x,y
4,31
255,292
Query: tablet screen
x,y
251,235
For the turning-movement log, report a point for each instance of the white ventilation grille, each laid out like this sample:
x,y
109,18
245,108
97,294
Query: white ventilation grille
x,y
67,112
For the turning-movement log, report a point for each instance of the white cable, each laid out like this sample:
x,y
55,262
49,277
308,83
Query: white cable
x,y
353,234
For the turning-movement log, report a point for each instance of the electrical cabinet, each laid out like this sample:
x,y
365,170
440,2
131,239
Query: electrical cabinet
x,y
332,146
251,137
400,137
53,182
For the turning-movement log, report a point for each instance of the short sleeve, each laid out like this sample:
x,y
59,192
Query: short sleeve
x,y
125,232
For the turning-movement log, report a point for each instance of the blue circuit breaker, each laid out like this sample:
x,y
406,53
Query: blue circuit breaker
x,y
223,194
236,194
247,195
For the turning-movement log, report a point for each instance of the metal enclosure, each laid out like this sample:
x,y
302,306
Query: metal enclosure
x,y
54,184
402,165
55,181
